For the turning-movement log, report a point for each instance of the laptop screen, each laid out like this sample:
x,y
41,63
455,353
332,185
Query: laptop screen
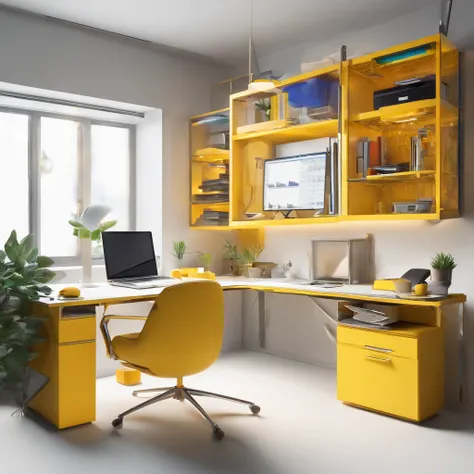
x,y
129,255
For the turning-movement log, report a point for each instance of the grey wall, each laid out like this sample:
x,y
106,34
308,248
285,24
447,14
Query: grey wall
x,y
398,246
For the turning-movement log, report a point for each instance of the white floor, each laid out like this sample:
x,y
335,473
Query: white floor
x,y
302,429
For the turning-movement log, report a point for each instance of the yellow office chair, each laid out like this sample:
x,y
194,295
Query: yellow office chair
x,y
182,336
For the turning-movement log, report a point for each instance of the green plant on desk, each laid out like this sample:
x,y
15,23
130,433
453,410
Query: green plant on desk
x,y
232,256
443,261
179,248
206,259
442,266
23,275
250,255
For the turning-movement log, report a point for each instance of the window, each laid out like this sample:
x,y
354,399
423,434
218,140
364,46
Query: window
x,y
57,165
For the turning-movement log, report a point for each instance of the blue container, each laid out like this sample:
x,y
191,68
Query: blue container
x,y
313,93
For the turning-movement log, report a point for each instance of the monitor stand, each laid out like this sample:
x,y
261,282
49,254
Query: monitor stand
x,y
286,214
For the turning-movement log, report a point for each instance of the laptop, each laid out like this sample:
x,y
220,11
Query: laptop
x,y
130,260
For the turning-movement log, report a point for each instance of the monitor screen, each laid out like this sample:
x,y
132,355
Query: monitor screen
x,y
129,255
295,183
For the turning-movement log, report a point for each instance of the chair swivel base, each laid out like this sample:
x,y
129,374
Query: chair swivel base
x,y
182,394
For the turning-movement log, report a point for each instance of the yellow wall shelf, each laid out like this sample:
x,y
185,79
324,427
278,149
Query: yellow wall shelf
x,y
424,110
210,155
295,133
434,121
395,177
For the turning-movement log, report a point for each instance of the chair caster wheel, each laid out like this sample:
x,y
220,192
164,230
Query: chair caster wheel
x,y
255,409
117,423
218,433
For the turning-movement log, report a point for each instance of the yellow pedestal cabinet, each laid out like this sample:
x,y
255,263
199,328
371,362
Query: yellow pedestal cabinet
x,y
68,359
398,372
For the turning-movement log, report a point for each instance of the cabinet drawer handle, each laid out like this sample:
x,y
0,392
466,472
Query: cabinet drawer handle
x,y
378,359
378,349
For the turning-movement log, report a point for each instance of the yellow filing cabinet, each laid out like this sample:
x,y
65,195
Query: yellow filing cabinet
x,y
68,359
398,372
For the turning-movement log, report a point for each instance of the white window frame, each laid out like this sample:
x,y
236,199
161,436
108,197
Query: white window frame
x,y
84,171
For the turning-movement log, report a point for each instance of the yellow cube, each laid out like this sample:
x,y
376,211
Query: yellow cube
x,y
126,376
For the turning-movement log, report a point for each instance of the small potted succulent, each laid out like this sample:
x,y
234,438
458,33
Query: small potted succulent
x,y
442,266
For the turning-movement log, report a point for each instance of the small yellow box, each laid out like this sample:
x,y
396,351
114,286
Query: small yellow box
x,y
126,376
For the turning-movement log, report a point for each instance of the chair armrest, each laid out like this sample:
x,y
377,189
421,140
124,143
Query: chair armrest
x,y
104,329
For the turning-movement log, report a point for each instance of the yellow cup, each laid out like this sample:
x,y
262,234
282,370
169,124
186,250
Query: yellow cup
x,y
421,289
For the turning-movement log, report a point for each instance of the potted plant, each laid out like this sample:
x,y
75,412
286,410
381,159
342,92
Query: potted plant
x,y
250,256
23,275
442,266
89,227
179,248
264,106
231,258
206,259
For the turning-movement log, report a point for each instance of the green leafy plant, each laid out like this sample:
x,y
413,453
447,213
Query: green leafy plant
x,y
251,255
230,251
23,275
443,261
206,259
179,248
265,106
96,235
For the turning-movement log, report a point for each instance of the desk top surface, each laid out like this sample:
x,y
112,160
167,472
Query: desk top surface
x,y
104,293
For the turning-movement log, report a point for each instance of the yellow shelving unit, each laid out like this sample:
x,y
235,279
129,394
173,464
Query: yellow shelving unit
x,y
209,163
250,150
372,197
255,138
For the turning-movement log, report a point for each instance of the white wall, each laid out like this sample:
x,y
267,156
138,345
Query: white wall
x,y
54,56
398,246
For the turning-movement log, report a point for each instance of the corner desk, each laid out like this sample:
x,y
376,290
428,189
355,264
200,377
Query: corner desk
x,y
68,358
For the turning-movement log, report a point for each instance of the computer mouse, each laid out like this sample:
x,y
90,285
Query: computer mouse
x,y
70,292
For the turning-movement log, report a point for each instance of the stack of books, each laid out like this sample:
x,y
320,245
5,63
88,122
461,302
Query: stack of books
x,y
214,190
211,217
220,185
212,198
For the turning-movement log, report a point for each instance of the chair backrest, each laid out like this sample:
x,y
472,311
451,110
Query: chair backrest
x,y
183,333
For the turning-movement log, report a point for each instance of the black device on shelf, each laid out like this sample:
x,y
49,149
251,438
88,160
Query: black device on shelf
x,y
389,169
406,91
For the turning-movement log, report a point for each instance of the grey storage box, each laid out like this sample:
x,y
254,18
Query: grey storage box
x,y
345,261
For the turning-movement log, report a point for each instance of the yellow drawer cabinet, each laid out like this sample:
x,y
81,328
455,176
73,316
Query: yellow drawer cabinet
x,y
397,372
68,359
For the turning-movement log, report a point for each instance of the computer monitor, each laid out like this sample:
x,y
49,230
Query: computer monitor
x,y
129,255
295,183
